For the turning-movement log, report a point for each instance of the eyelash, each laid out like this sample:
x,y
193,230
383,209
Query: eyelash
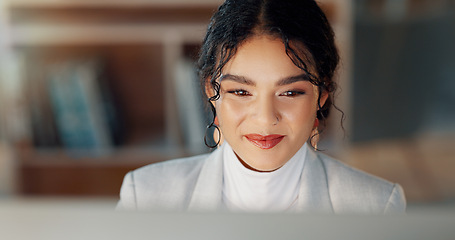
x,y
292,93
239,92
244,93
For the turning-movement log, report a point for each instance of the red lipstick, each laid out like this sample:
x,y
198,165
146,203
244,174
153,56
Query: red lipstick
x,y
264,142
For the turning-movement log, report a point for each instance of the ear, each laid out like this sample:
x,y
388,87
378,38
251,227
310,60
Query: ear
x,y
208,88
323,98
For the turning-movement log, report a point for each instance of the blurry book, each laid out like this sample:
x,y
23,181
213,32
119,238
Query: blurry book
x,y
77,104
42,122
112,111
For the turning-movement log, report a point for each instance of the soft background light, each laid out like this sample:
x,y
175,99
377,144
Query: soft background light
x,y
396,88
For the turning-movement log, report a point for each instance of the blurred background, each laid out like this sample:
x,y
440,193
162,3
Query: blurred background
x,y
90,90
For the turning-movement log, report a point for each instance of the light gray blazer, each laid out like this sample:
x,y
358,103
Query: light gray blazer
x,y
195,183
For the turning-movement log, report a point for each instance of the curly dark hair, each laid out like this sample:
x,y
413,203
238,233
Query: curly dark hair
x,y
300,24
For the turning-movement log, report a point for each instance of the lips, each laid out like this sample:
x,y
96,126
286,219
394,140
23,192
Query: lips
x,y
264,142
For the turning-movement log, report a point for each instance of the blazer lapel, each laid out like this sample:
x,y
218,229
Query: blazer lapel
x,y
208,189
314,194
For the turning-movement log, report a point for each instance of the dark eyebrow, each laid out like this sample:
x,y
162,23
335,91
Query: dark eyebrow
x,y
281,82
238,79
293,79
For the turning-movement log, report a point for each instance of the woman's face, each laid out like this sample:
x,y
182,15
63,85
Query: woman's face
x,y
267,106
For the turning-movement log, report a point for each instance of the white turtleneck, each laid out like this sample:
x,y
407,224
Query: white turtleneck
x,y
248,190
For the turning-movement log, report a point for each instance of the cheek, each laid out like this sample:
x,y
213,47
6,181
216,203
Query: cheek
x,y
230,113
299,114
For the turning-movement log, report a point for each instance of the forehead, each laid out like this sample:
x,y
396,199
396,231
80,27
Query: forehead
x,y
262,57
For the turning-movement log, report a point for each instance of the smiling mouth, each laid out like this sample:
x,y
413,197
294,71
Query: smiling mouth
x,y
264,142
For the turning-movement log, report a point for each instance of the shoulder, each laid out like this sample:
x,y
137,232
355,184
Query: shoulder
x,y
352,190
164,185
337,170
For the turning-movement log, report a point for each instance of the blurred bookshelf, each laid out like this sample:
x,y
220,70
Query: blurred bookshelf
x,y
136,46
125,63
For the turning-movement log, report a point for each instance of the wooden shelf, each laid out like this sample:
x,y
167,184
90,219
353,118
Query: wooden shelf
x,y
116,157
37,35
110,3
57,173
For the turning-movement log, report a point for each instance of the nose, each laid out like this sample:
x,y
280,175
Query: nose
x,y
265,112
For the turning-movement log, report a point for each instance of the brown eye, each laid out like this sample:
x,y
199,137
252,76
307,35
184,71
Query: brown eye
x,y
292,93
240,92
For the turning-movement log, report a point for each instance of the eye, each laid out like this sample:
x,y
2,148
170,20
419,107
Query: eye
x,y
239,92
292,93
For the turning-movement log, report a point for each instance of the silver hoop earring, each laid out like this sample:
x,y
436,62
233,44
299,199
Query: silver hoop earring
x,y
314,139
206,132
